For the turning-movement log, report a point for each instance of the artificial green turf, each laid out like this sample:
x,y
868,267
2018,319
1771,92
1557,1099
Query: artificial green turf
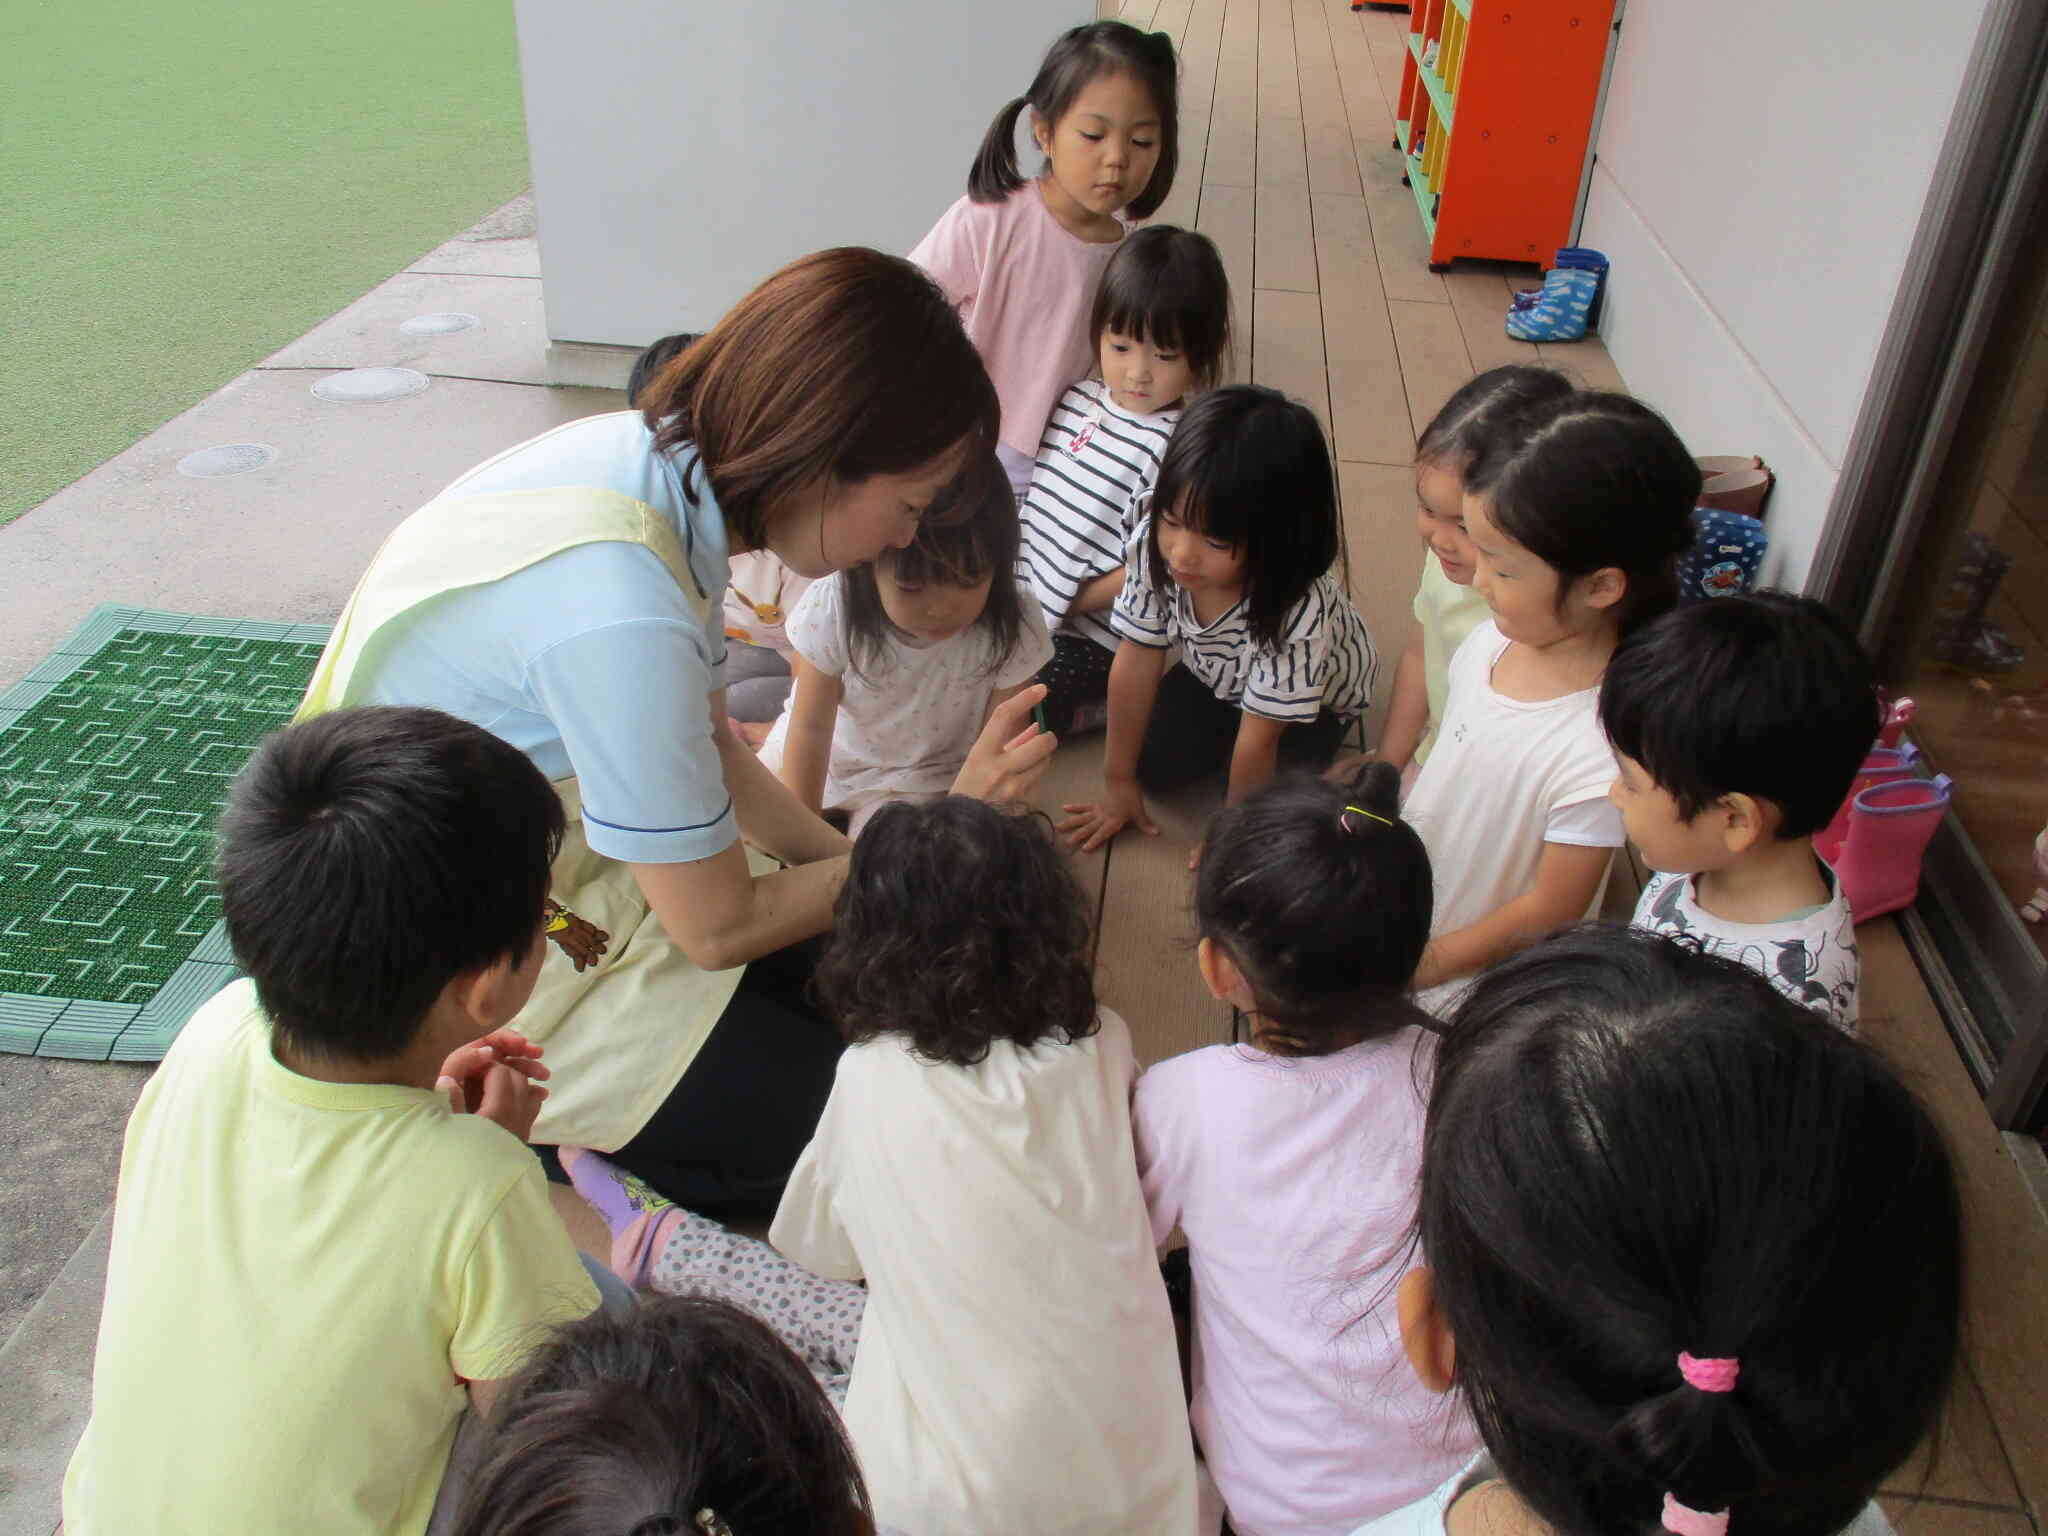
x,y
187,185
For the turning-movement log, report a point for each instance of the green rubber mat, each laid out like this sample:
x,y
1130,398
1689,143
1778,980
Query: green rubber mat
x,y
115,759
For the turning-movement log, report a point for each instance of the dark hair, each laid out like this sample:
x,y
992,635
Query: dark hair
x,y
1634,1149
846,363
368,857
656,356
969,531
1589,480
1467,425
635,1422
1320,894
1769,695
959,925
1167,286
1249,466
1080,57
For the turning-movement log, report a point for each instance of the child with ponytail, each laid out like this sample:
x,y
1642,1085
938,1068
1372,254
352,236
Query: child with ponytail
x,y
1576,512
1691,1255
1289,1161
1021,257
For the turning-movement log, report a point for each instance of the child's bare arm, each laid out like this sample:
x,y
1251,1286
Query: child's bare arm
x,y
1097,595
807,748
1133,688
1408,708
1254,756
1566,880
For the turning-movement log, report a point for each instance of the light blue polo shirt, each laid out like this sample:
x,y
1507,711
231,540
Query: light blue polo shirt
x,y
591,661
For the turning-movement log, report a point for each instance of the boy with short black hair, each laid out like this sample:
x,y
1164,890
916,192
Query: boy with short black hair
x,y
1738,724
321,1237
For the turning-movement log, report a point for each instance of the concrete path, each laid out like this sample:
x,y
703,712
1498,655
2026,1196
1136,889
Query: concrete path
x,y
284,542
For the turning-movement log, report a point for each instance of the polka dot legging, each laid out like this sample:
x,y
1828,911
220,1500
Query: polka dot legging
x,y
816,1317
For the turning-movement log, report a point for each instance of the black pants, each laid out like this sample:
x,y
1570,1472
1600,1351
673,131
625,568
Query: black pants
x,y
723,1143
1193,733
1077,674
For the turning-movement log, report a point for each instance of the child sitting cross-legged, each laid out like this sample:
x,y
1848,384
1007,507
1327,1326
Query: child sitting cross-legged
x,y
1737,726
1009,1369
329,1238
1289,1161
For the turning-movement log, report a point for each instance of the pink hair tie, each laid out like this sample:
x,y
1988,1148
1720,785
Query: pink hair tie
x,y
1709,1375
1692,1522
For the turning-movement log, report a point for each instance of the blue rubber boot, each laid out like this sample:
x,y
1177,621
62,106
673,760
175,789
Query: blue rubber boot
x,y
1560,310
1571,256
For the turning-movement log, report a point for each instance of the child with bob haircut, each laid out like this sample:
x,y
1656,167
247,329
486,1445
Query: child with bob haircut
x,y
1447,606
1290,1161
1020,257
1232,563
1161,330
1577,513
901,660
1723,796
1663,1211
318,1188
687,1416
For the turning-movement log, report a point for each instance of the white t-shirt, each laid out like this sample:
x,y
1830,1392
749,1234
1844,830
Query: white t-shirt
x,y
1294,1180
908,718
1094,463
1812,958
1325,658
1427,1516
1017,1373
1447,613
1507,776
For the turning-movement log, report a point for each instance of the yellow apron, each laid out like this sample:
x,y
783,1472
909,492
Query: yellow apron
x,y
619,1035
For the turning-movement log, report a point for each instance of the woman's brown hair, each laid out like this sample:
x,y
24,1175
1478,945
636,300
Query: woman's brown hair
x,y
846,363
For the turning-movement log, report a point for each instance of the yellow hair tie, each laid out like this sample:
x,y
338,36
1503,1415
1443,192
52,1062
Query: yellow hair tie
x,y
1361,810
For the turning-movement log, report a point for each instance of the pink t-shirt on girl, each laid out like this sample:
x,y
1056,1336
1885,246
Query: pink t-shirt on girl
x,y
1294,1180
1024,286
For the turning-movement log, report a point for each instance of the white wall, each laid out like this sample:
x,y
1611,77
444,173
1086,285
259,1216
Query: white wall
x,y
1762,167
683,150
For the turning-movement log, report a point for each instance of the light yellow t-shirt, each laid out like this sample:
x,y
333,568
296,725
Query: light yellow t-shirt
x,y
301,1272
1447,613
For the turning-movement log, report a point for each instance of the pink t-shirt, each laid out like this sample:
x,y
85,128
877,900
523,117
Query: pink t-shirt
x,y
1024,286
1294,1180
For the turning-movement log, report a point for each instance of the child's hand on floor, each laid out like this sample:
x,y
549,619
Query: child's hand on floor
x,y
497,1076
1089,826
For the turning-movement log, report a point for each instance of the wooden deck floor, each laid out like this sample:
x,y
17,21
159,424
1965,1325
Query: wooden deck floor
x,y
1287,163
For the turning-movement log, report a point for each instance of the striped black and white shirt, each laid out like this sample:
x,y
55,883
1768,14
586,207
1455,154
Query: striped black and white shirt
x,y
1094,463
1325,659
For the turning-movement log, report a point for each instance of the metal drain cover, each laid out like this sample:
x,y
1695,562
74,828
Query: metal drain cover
x,y
438,325
226,459
367,386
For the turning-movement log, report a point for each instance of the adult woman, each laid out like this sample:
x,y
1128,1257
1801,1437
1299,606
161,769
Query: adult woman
x,y
566,595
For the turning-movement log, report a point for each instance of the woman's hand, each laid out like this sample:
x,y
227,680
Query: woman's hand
x,y
1010,755
1088,826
